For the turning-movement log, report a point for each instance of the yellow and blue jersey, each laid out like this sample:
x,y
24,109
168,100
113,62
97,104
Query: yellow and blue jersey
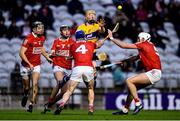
x,y
91,31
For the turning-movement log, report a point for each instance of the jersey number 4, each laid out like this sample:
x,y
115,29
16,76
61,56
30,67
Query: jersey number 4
x,y
81,49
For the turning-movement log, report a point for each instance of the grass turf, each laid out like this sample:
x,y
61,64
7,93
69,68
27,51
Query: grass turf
x,y
82,115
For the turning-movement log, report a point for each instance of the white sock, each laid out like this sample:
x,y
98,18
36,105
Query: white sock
x,y
125,110
138,103
30,103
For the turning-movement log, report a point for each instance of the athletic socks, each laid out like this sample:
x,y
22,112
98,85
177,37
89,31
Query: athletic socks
x,y
26,91
137,102
91,108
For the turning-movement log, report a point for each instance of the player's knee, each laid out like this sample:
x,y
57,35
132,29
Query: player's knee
x,y
91,86
35,85
25,77
128,81
62,82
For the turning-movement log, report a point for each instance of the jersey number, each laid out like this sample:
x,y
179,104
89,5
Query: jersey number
x,y
81,49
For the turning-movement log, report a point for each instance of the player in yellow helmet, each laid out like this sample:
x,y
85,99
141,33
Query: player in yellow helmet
x,y
92,28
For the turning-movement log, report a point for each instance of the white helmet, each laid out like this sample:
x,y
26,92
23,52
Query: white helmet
x,y
144,35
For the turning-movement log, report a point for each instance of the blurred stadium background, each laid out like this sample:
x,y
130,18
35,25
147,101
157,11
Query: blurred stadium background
x,y
161,18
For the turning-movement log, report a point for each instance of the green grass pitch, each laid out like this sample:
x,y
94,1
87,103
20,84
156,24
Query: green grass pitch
x,y
82,115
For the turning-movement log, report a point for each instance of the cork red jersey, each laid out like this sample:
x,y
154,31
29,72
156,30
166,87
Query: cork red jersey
x,y
82,52
34,46
149,55
62,51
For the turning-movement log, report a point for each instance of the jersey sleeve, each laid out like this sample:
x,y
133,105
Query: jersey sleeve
x,y
140,45
80,27
26,43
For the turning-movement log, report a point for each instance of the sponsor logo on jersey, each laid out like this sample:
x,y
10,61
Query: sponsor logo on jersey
x,y
37,50
62,53
91,36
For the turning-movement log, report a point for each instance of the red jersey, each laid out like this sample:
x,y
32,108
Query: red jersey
x,y
149,55
82,52
62,50
34,46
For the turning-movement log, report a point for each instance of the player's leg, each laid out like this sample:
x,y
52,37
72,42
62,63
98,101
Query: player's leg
x,y
141,79
57,97
61,76
91,97
89,77
95,73
128,101
63,90
66,96
58,76
75,78
26,91
26,85
129,98
35,78
69,91
125,109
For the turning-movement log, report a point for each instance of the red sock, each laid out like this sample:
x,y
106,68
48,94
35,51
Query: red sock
x,y
62,104
136,100
51,100
91,108
127,106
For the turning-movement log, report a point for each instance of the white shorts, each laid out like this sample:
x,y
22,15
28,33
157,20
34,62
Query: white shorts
x,y
25,71
58,68
154,75
80,73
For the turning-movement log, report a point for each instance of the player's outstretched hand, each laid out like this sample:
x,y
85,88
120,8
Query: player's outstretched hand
x,y
110,34
101,22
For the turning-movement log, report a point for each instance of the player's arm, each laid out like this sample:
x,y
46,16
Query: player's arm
x,y
23,56
46,55
53,50
101,23
121,43
99,43
52,54
69,58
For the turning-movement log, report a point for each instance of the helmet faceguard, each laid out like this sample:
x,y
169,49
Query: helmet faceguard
x,y
62,30
38,28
